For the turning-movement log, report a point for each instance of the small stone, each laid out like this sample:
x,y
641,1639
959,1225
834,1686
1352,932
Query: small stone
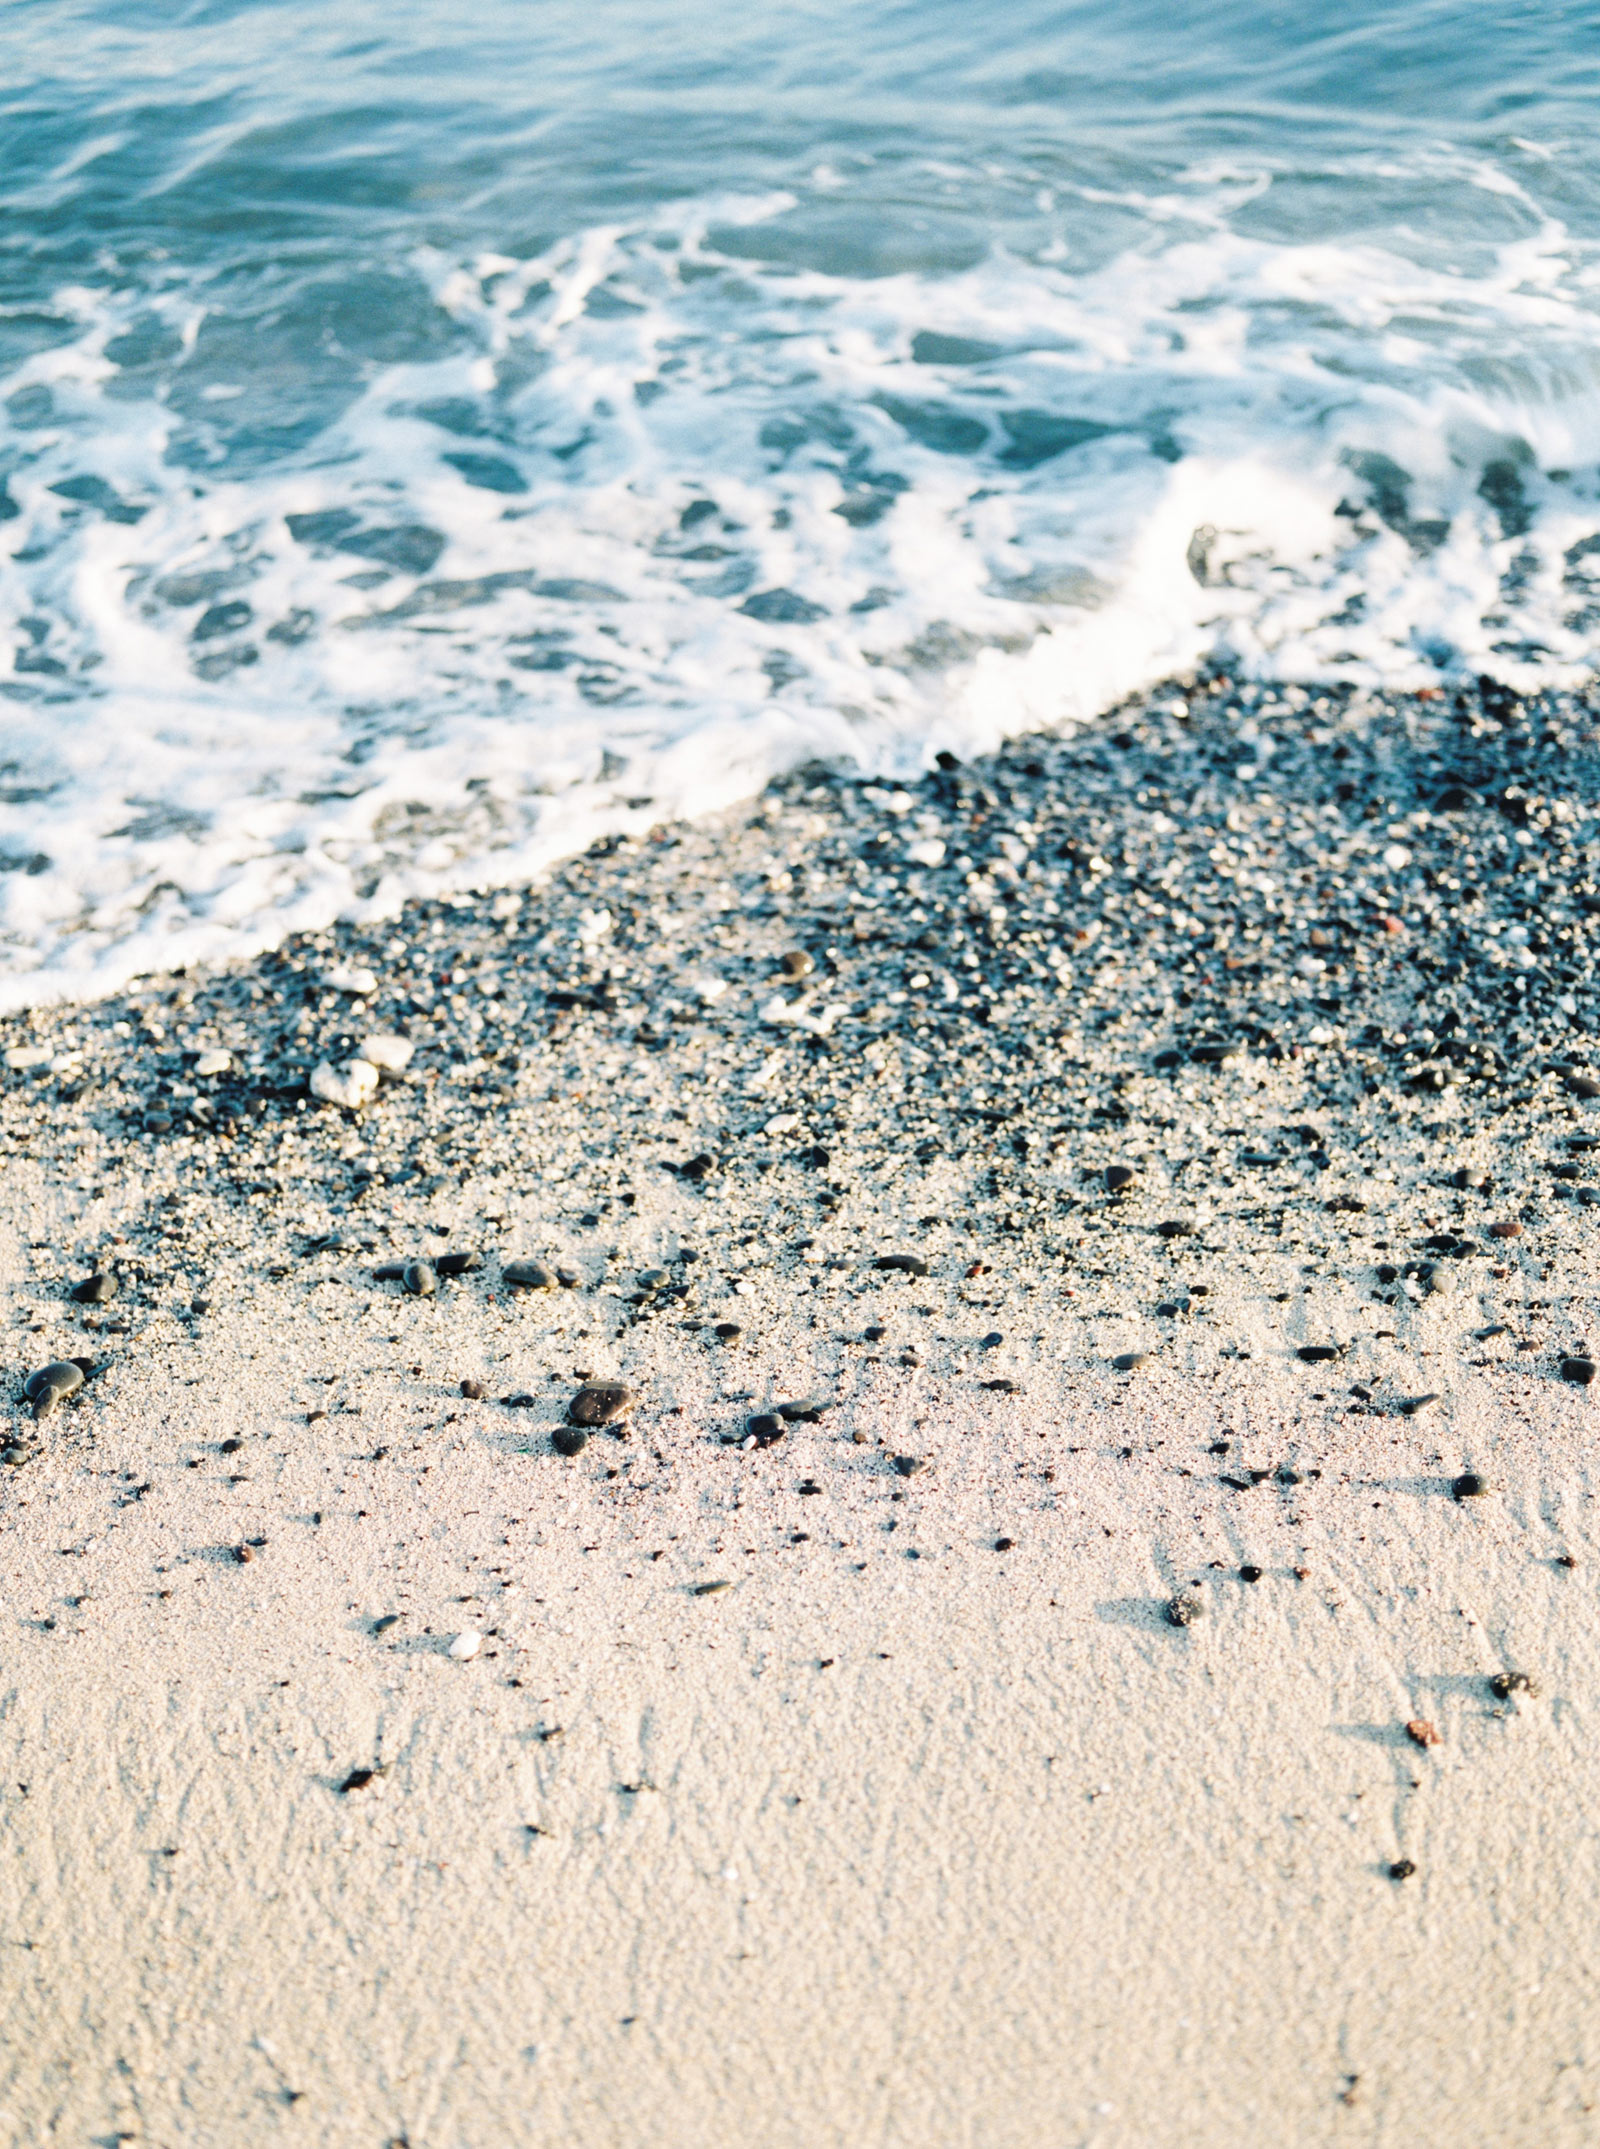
x,y
465,1646
1173,1307
1472,1180
569,1440
213,1063
1402,1869
528,1276
474,1390
95,1290
902,1264
1316,1354
359,1778
601,1403
1411,1404
1582,1085
388,1051
1119,1177
1469,1485
1421,1733
1004,1544
344,977
459,1264
1249,1574
1130,1361
1176,1227
727,1331
1510,1229
1506,1683
419,1279
353,1085
909,1465
796,963
1580,1371
709,1589
766,1428
51,1384
654,1279
1184,1609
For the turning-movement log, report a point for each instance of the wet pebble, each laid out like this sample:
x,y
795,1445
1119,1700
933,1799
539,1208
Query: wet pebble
x,y
528,1276
51,1385
420,1279
902,1264
909,1465
569,1440
1469,1485
1421,1733
1580,1371
96,1290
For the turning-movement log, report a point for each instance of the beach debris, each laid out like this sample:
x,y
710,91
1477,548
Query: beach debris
x,y
420,1279
359,1779
465,1646
709,1589
1469,1485
474,1390
458,1264
214,1062
909,1465
901,1264
96,1290
1421,1733
52,1384
352,1085
1580,1371
1183,1609
1130,1361
528,1276
1119,1177
1402,1869
569,1440
1505,1684
353,978
601,1403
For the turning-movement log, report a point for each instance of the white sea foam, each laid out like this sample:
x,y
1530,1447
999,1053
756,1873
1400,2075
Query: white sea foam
x,y
666,519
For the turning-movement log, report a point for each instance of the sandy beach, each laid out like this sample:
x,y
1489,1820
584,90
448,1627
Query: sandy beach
x,y
1077,1625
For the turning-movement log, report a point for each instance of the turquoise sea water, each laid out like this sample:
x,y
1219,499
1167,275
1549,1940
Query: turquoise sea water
x,y
429,441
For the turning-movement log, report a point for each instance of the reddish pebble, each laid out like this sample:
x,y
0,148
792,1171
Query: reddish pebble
x,y
1511,1230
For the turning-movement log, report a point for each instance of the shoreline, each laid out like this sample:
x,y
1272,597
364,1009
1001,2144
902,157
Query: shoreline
x,y
1312,1002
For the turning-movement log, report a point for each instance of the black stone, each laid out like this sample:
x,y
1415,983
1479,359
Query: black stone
x,y
569,1440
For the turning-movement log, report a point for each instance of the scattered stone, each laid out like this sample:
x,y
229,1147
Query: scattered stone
x,y
727,1331
766,1429
601,1403
528,1276
474,1390
1184,1609
1402,1869
387,1051
213,1063
1472,1180
96,1290
796,963
352,1085
654,1279
420,1279
1176,1227
244,1554
1409,1405
1582,1085
1249,1574
1506,1683
1580,1371
569,1440
52,1384
909,1465
1316,1354
358,1779
1469,1485
709,1589
460,1264
902,1264
465,1646
1130,1361
1421,1733
1509,1229
1170,1308
1119,1177
1004,1544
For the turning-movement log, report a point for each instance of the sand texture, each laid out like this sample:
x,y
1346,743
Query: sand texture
x,y
1117,1727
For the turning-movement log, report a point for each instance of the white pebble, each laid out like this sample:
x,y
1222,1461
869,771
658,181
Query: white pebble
x,y
708,989
593,925
466,1645
388,1050
353,1084
1396,857
782,1123
929,852
210,1063
345,978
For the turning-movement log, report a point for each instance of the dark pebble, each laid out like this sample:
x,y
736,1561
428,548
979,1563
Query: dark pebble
x,y
420,1279
1176,1227
903,1264
1119,1177
767,1427
697,1167
1506,1683
992,1340
528,1276
796,963
1402,1869
1184,1609
569,1440
1004,1544
1469,1486
601,1403
1580,1371
1172,1307
654,1279
458,1264
474,1390
808,1486
1472,1181
1316,1354
359,1778
909,1465
1582,1085
1130,1361
389,1271
1249,1574
95,1290
51,1384
726,1331
1413,1403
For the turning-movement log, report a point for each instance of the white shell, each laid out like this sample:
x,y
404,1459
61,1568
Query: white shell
x,y
217,1062
353,1084
388,1050
343,978
466,1645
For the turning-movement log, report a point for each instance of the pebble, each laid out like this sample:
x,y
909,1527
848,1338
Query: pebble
x,y
213,1063
910,1465
709,1589
1580,1371
796,963
345,977
1119,1177
51,1384
903,1264
466,1645
1506,1683
569,1440
1411,1404
1469,1485
1421,1733
1582,1085
388,1051
419,1279
95,1290
1402,1869
1184,1609
1130,1361
601,1403
1508,1230
654,1279
1249,1574
353,1085
727,1331
528,1276
1316,1354
766,1428
460,1264
1004,1544
1176,1227
474,1390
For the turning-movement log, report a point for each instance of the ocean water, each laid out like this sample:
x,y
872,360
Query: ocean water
x,y
432,437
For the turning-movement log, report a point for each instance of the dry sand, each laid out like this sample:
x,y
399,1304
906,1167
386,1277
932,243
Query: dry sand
x,y
901,1838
